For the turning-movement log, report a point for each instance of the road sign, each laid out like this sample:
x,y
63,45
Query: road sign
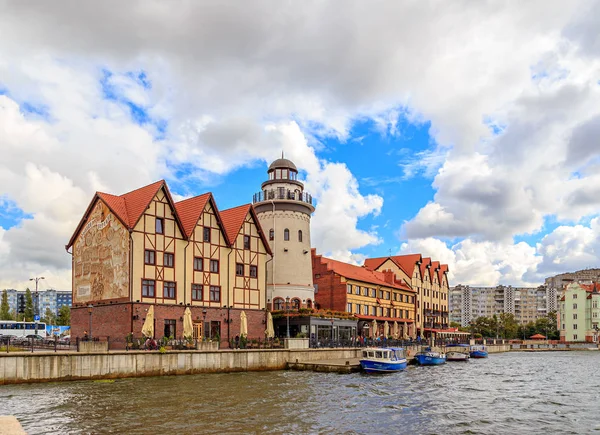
x,y
36,318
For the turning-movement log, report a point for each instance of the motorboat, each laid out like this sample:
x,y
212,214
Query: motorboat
x,y
479,351
429,357
457,352
383,359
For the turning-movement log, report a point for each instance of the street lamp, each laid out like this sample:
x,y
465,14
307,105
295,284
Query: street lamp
x,y
287,310
37,299
203,323
90,306
595,333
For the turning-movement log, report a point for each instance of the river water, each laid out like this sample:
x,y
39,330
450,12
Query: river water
x,y
512,393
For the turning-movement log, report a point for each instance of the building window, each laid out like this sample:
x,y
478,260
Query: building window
x,y
197,292
214,266
574,295
372,292
286,234
160,226
295,304
574,316
271,234
168,259
170,328
349,307
239,269
253,271
357,309
278,304
595,304
246,242
357,290
574,325
575,337
148,286
198,264
373,311
206,234
366,310
149,257
300,236
215,293
365,291
349,289
380,294
574,306
317,275
387,296
308,303
169,290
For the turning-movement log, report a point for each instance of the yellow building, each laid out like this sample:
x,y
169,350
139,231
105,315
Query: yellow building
x,y
142,249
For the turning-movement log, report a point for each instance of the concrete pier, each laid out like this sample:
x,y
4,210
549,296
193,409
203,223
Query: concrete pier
x,y
9,425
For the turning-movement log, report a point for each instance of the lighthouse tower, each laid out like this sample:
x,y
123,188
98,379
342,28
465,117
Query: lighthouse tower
x,y
284,210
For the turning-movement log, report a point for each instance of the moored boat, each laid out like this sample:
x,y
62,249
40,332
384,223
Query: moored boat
x,y
479,351
383,359
457,352
428,357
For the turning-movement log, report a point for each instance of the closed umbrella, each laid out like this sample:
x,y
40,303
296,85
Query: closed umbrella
x,y
396,330
374,326
270,332
243,324
386,329
148,328
188,326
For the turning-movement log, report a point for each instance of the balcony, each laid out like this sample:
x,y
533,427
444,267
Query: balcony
x,y
281,193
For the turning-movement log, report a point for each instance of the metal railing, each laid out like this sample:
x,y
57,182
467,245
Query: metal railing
x,y
292,195
23,344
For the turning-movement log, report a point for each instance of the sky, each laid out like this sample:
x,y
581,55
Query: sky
x,y
466,131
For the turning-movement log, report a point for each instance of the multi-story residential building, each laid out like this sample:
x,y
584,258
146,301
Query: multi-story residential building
x,y
142,249
527,304
579,312
368,294
557,283
284,210
429,280
45,299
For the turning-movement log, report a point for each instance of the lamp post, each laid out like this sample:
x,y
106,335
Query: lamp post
x,y
332,320
287,310
595,333
90,306
36,309
204,322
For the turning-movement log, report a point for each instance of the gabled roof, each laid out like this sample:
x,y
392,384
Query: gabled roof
x,y
359,273
233,219
424,263
129,207
189,211
435,270
405,262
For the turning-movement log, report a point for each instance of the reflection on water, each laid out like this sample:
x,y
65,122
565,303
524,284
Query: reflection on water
x,y
507,393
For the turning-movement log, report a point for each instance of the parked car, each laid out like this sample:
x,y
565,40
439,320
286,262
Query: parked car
x,y
6,338
65,340
36,338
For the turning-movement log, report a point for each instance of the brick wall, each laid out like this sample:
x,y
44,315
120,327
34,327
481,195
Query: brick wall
x,y
116,321
332,291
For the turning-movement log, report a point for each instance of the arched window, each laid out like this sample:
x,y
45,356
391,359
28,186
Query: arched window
x,y
308,303
286,234
271,234
278,304
295,304
300,235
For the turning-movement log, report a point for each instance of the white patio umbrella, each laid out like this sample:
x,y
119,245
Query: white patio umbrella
x,y
386,329
148,328
270,332
396,330
188,326
374,326
243,324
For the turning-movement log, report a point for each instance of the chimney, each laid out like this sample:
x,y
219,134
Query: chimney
x,y
388,276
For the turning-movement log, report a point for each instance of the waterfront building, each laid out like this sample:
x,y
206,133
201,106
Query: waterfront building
x,y
142,249
368,294
284,210
45,299
556,284
527,304
579,312
429,280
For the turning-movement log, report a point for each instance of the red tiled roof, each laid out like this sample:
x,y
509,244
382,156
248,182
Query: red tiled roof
x,y
189,211
117,205
405,262
435,265
538,337
233,218
360,273
424,263
374,263
137,201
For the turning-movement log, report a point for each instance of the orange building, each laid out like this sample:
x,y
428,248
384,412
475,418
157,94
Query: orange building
x,y
143,249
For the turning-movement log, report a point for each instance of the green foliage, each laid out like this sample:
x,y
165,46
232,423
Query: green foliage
x,y
5,313
49,317
504,325
162,349
64,316
28,313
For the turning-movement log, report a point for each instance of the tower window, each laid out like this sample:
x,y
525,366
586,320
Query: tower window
x,y
271,234
300,235
286,234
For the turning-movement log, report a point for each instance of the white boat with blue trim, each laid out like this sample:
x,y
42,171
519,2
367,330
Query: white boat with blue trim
x,y
428,357
457,352
383,359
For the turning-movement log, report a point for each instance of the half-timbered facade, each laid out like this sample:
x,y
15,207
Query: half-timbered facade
x,y
142,249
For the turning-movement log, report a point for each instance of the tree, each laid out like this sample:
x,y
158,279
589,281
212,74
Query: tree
x,y
64,316
508,326
28,313
49,317
5,313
